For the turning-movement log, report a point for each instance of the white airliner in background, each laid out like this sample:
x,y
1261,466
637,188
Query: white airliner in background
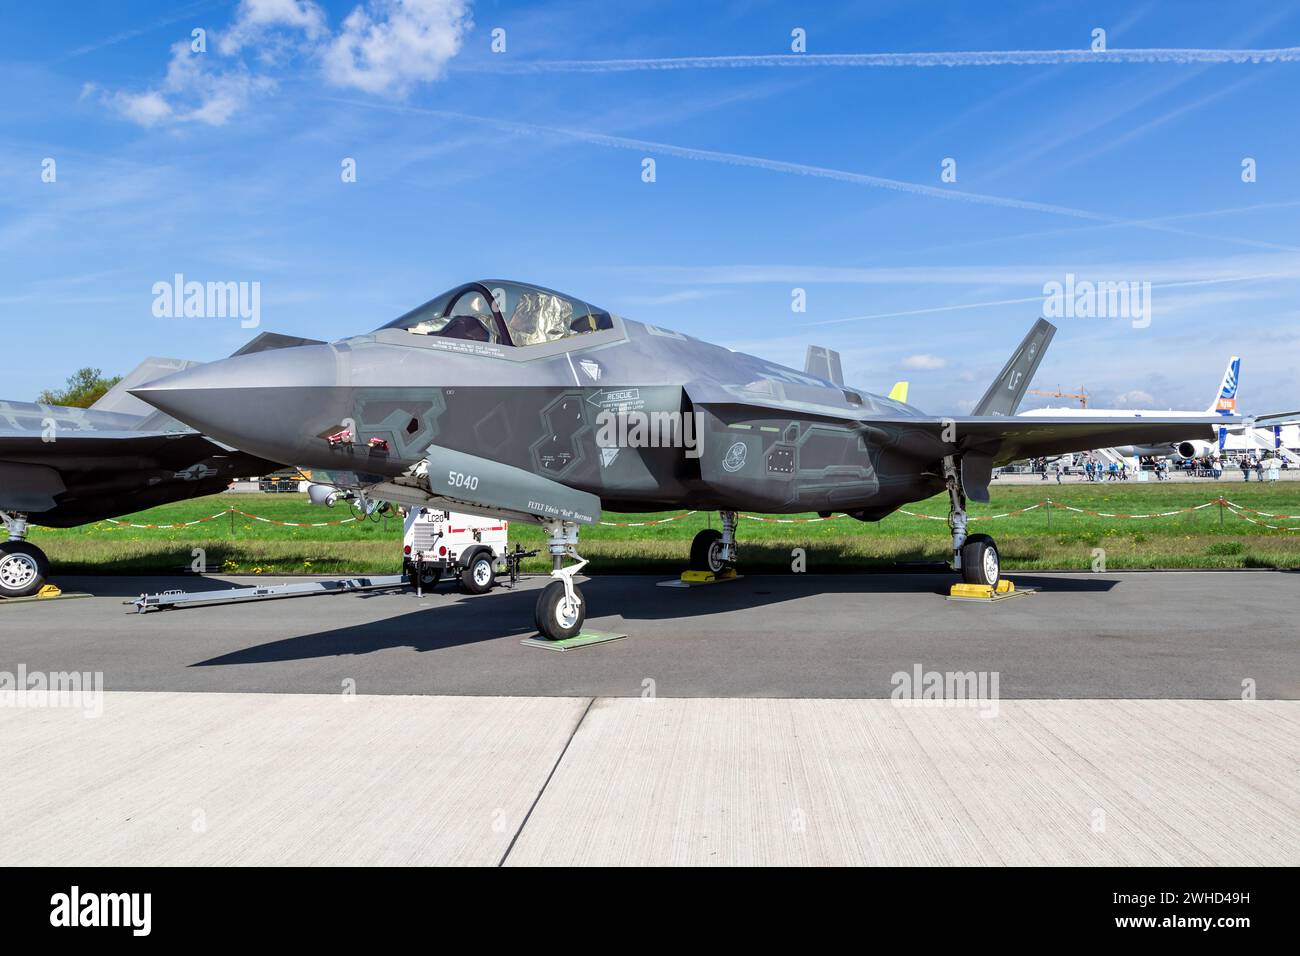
x,y
1225,403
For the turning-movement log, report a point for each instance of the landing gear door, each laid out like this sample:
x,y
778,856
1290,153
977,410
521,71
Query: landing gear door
x,y
477,485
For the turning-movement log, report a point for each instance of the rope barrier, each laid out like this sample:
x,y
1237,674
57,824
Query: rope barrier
x,y
222,514
294,524
165,527
642,524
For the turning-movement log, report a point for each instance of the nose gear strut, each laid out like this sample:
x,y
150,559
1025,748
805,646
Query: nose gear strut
x,y
561,610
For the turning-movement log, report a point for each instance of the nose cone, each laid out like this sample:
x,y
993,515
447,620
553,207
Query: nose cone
x,y
267,403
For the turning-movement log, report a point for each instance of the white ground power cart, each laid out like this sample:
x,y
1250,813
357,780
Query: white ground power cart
x,y
471,548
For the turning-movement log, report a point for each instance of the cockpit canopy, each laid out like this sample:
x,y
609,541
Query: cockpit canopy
x,y
504,313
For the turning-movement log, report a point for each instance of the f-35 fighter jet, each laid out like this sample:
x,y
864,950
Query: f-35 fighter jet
x,y
508,399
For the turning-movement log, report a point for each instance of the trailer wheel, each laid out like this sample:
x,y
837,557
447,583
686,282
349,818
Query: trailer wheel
x,y
480,573
428,579
23,569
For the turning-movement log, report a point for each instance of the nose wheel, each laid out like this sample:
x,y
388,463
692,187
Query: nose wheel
x,y
557,615
561,608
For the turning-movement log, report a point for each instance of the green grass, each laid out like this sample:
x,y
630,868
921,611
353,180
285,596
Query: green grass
x,y
1034,540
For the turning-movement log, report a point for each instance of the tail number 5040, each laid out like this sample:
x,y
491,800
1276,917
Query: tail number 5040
x,y
458,479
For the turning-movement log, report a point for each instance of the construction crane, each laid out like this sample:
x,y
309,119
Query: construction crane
x,y
1081,395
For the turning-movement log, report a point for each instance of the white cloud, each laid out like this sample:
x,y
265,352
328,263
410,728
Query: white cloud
x,y
390,45
1135,399
193,91
256,17
924,362
668,298
147,109
383,47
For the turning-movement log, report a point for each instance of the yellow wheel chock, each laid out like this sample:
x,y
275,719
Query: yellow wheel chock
x,y
984,592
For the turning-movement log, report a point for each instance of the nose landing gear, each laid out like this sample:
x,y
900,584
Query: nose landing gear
x,y
561,609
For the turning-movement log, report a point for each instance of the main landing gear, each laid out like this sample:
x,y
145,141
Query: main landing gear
x,y
974,556
561,608
714,551
23,567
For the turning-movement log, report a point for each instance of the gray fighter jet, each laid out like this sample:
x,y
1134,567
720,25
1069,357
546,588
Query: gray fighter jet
x,y
62,467
508,399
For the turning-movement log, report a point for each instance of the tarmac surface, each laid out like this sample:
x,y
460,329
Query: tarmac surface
x,y
1194,635
734,725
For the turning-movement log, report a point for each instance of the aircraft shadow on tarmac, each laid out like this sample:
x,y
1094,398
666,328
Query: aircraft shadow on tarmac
x,y
456,620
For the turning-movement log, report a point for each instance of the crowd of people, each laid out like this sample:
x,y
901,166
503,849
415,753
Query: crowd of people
x,y
1092,467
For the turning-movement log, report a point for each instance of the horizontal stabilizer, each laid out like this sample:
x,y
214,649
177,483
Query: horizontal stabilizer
x,y
1277,418
824,363
1004,395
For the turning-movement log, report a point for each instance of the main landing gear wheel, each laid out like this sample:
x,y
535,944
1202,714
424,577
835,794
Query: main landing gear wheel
x,y
480,574
557,617
979,561
23,569
706,551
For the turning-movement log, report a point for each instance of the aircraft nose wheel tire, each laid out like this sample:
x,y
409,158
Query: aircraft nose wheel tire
x,y
706,551
980,562
555,617
480,574
23,569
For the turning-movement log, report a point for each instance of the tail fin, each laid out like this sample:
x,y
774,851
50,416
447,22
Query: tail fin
x,y
1225,402
824,363
899,392
117,399
1004,395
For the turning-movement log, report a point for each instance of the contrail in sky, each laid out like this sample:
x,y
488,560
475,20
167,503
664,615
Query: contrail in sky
x,y
499,64
803,169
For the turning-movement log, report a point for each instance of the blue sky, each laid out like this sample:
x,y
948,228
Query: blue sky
x,y
224,165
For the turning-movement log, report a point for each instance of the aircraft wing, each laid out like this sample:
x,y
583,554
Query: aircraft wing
x,y
25,443
1010,439
984,443
83,476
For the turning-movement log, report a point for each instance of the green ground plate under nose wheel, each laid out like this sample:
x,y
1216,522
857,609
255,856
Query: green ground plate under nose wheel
x,y
583,639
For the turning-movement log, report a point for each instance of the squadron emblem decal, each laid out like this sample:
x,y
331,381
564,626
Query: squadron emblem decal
x,y
734,459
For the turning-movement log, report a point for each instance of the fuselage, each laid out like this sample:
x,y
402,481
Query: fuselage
x,y
645,418
640,417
